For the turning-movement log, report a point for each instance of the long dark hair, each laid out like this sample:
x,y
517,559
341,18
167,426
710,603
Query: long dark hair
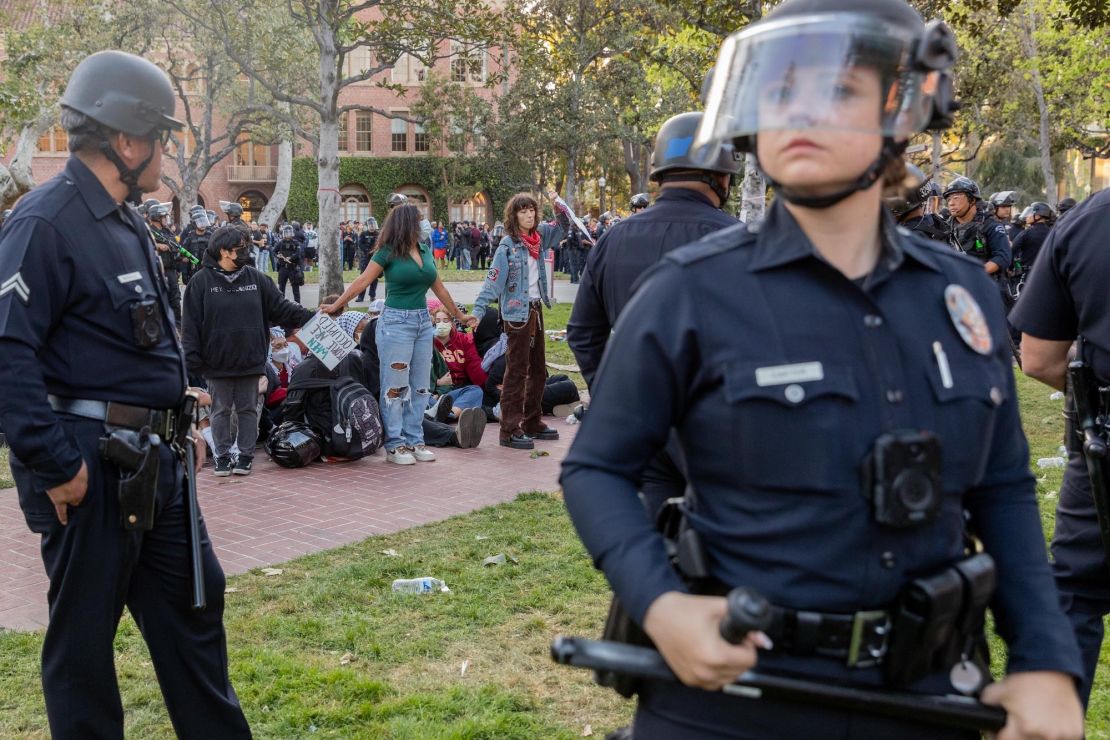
x,y
401,231
518,203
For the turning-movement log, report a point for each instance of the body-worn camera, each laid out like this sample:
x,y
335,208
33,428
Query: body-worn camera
x,y
146,323
902,478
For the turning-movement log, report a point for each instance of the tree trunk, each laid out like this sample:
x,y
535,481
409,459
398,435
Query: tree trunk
x,y
272,211
568,192
327,167
18,178
635,154
753,193
1029,42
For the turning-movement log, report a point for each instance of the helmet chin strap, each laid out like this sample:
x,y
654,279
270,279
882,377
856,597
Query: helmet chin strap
x,y
891,150
129,177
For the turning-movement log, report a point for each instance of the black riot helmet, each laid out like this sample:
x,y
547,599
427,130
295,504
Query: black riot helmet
x,y
673,158
158,211
963,185
126,93
232,209
294,445
1065,205
1003,198
639,202
911,193
781,73
397,199
1040,209
144,209
199,217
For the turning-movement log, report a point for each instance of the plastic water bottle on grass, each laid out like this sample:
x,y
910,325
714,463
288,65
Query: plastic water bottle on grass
x,y
425,585
1051,462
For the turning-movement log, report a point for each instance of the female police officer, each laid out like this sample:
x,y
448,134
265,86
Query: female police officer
x,y
790,358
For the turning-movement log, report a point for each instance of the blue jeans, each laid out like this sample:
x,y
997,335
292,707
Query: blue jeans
x,y
405,360
262,260
467,397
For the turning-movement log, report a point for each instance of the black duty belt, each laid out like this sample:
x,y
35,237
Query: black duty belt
x,y
114,414
860,639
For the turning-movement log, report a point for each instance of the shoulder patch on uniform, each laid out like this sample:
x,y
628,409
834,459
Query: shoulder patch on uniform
x,y
713,244
15,284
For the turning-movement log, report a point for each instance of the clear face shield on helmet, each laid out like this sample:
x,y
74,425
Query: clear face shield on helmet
x,y
200,218
836,72
287,232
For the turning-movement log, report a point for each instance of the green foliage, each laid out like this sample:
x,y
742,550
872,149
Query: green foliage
x,y
383,175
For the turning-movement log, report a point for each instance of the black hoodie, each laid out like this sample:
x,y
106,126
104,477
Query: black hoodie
x,y
227,318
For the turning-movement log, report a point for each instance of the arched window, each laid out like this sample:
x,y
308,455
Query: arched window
x,y
475,208
355,204
418,196
253,202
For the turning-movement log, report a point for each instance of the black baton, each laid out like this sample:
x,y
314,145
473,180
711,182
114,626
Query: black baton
x,y
193,512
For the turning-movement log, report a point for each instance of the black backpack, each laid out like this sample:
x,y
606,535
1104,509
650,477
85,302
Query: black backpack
x,y
346,416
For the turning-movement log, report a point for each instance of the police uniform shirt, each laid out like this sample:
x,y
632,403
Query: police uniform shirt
x,y
73,263
778,373
995,246
626,251
1067,294
1028,244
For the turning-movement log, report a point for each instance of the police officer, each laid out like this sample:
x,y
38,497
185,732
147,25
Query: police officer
x,y
639,202
787,360
289,255
907,204
1065,205
1065,298
196,240
1038,219
1003,203
977,234
165,243
367,243
89,348
234,212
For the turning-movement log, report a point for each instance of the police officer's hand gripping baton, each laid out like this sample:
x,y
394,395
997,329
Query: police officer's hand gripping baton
x,y
748,611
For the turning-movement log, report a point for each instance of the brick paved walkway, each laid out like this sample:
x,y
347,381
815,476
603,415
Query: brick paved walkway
x,y
276,515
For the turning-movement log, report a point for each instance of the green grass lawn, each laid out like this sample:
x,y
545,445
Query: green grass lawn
x,y
5,473
325,648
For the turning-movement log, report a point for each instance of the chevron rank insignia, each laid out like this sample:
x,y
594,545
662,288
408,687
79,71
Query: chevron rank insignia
x,y
15,284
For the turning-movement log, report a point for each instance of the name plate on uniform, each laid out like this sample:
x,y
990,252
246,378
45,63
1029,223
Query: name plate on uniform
x,y
326,339
801,372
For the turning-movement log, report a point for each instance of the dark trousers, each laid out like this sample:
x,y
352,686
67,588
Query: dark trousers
x,y
525,374
363,263
1079,564
173,290
288,274
95,568
575,258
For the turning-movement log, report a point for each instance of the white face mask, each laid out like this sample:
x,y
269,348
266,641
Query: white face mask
x,y
443,329
281,355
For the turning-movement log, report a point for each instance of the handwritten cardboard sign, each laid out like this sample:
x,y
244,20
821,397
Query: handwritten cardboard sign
x,y
326,339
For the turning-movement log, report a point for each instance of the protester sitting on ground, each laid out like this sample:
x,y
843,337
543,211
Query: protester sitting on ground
x,y
468,432
465,376
227,308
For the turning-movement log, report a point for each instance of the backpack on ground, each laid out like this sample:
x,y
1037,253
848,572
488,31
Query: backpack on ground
x,y
340,409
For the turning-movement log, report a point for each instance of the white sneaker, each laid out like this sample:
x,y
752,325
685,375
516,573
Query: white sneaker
x,y
422,453
400,456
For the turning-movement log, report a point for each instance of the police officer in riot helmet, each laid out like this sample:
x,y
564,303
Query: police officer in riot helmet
x,y
1065,299
907,201
234,212
93,400
790,359
639,202
165,244
1065,205
195,239
1003,203
1038,218
144,209
289,255
977,234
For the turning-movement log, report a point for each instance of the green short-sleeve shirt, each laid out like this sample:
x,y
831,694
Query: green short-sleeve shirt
x,y
406,283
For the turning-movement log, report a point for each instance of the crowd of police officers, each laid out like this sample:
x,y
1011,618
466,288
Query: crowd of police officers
x,y
92,383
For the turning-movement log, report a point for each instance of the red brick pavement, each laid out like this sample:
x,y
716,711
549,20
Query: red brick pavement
x,y
276,515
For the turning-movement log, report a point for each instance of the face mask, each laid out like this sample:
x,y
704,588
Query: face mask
x,y
281,355
443,329
243,258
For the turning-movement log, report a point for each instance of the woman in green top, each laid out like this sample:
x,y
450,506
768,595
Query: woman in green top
x,y
404,333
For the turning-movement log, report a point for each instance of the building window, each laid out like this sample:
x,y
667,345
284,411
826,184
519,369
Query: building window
x,y
185,139
344,141
355,204
419,139
54,141
417,196
408,70
364,128
399,130
249,153
468,64
458,62
474,208
357,61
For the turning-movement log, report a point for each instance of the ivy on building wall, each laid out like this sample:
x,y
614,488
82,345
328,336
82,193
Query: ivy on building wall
x,y
380,176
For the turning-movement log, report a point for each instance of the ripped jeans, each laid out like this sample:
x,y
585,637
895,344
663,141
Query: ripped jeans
x,y
405,358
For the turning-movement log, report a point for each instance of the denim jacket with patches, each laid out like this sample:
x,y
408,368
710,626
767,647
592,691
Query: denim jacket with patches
x,y
507,279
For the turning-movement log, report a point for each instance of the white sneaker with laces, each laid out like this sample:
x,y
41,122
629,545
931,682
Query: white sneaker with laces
x,y
400,456
422,453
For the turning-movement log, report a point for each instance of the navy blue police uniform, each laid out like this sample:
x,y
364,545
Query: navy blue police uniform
x,y
1028,244
1064,298
73,265
778,374
929,226
984,238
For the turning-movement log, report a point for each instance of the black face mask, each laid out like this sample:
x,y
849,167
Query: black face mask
x,y
243,257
